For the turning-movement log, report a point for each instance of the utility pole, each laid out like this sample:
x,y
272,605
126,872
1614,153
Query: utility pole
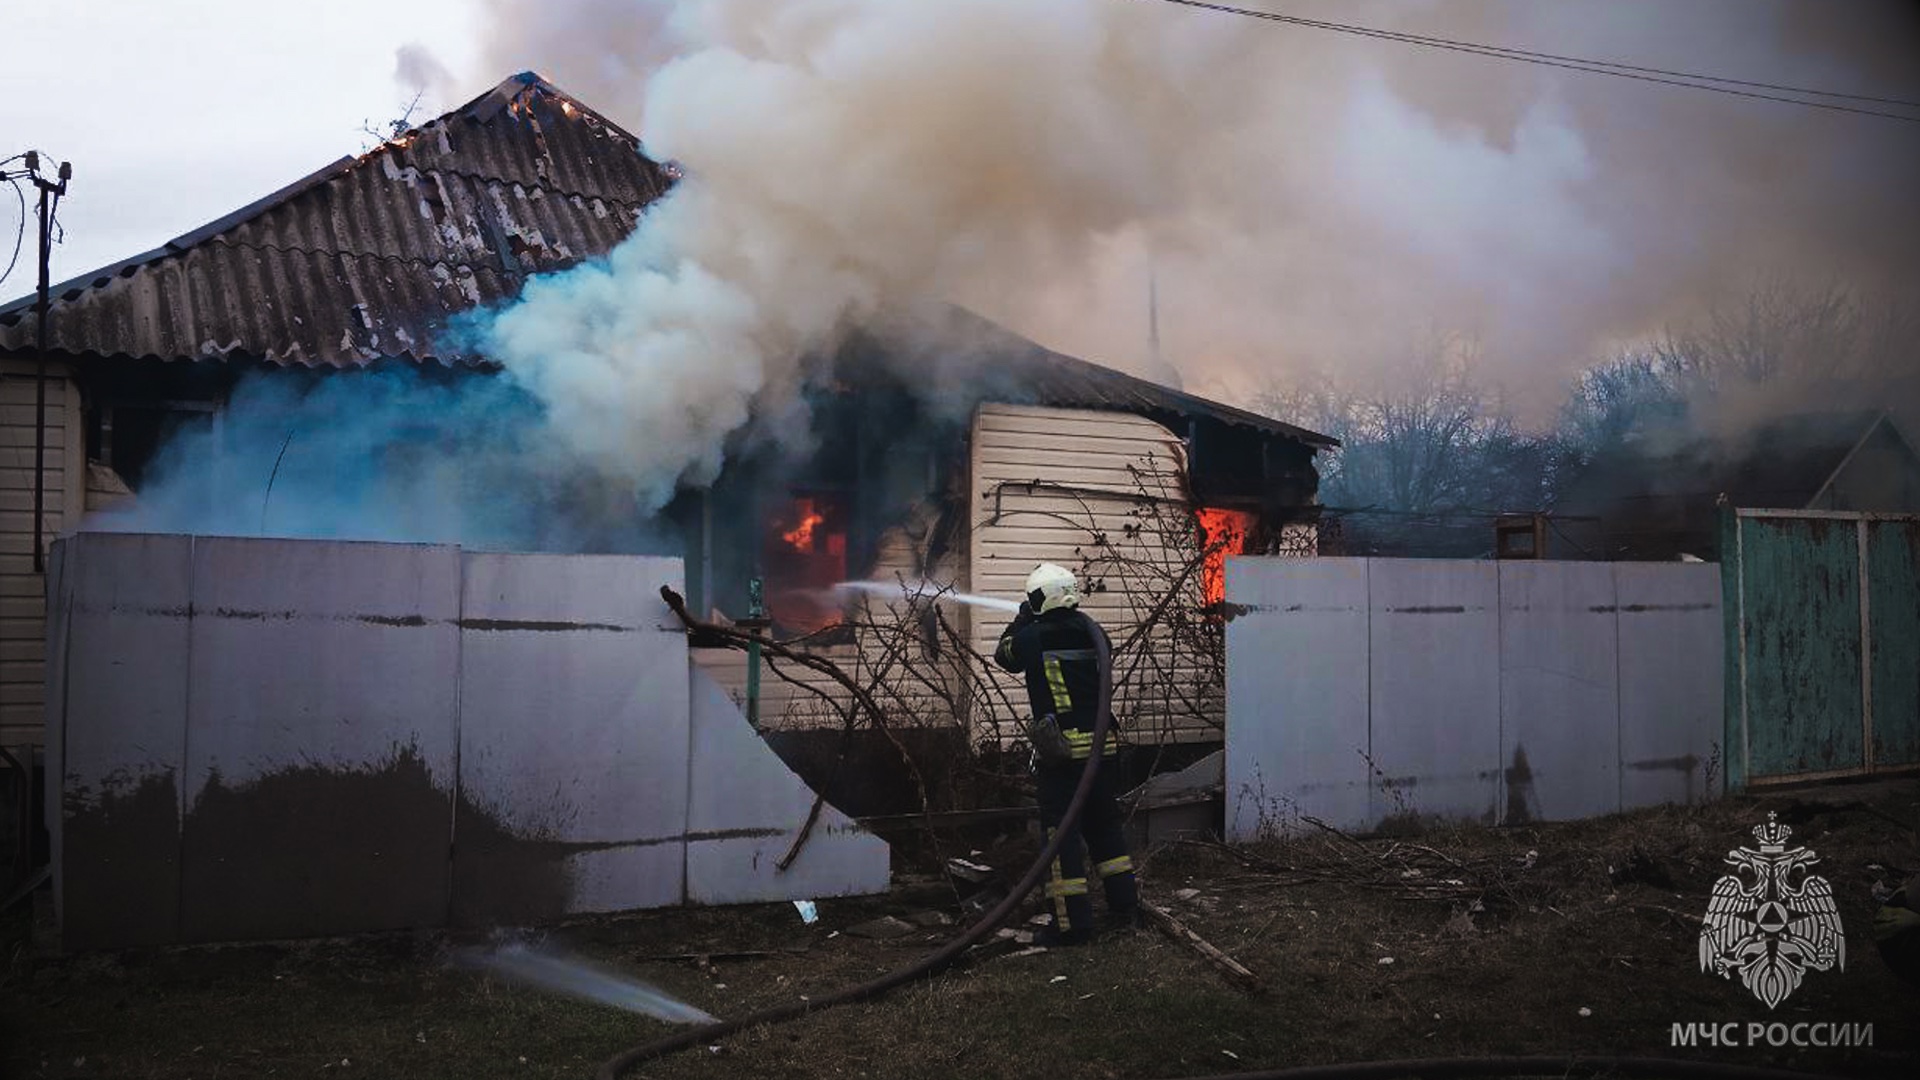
x,y
50,193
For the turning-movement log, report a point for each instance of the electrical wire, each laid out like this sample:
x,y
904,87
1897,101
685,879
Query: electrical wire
x,y
1713,83
20,237
55,233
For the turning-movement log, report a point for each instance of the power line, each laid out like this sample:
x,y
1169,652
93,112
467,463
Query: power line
x,y
1593,67
21,236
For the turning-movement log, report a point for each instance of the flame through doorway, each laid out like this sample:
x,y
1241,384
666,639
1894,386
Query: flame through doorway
x,y
1223,532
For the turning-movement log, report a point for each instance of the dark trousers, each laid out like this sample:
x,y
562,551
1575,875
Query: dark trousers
x,y
1100,835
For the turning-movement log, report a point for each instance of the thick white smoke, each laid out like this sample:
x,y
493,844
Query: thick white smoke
x,y
1307,199
843,158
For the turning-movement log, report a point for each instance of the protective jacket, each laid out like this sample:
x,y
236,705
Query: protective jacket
x,y
1060,657
1057,653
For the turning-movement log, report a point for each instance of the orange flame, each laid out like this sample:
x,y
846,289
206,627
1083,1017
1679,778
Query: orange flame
x,y
800,538
1222,533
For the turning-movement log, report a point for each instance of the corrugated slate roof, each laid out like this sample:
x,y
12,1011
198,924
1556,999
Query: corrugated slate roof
x,y
1067,381
996,364
369,257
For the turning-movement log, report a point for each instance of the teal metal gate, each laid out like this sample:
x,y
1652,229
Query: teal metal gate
x,y
1823,644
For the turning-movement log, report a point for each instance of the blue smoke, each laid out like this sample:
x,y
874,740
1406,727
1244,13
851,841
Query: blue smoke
x,y
394,453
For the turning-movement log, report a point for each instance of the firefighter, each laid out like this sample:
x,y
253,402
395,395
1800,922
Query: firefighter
x,y
1067,660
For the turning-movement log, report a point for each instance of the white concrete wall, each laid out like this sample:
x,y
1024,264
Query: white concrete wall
x,y
1361,691
275,738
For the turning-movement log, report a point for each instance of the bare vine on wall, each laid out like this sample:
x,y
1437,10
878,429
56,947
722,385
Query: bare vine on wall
x,y
915,667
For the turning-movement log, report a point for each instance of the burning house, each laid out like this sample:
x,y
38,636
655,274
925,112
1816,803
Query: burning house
x,y
184,380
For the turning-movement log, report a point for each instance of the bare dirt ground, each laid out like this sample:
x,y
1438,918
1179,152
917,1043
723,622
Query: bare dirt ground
x,y
1554,939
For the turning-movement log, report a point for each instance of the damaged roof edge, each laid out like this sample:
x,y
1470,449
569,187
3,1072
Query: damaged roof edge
x,y
481,108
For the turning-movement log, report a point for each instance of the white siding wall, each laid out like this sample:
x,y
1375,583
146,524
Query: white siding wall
x,y
1114,463
1101,493
23,592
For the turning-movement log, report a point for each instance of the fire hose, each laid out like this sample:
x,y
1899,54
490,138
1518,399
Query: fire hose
x,y
929,965
944,957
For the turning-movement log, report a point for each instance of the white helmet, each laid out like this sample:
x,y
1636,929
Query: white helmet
x,y
1050,587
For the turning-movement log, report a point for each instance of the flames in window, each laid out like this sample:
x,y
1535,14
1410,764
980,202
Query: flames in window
x,y
1223,532
803,556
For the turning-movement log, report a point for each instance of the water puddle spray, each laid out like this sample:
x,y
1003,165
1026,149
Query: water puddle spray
x,y
577,978
929,591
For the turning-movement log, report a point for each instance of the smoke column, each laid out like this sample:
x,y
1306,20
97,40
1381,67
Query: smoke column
x,y
1309,199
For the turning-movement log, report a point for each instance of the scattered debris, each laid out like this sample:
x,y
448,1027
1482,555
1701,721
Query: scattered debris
x,y
1173,928
1185,894
1056,979
930,919
884,928
1584,1011
983,901
1385,960
968,870
809,913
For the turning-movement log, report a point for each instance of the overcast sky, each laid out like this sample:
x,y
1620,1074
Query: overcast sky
x,y
175,112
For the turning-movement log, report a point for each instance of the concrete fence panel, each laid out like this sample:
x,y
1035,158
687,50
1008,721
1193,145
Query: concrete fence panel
x,y
573,754
1559,691
746,809
124,598
1307,631
1672,646
1434,654
277,738
1470,690
320,737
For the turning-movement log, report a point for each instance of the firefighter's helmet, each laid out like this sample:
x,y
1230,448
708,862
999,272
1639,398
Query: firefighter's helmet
x,y
1050,587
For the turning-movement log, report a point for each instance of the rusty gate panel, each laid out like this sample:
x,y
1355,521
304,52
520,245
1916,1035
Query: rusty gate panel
x,y
1800,647
1893,607
1823,637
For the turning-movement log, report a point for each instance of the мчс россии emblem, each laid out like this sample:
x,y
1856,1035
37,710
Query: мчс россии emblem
x,y
1770,920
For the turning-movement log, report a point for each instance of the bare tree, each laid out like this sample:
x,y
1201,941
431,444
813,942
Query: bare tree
x,y
1424,438
1781,347
1636,397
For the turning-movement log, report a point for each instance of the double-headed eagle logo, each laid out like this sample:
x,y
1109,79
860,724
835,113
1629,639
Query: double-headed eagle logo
x,y
1773,927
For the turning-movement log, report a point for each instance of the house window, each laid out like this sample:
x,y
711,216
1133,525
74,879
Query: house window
x,y
803,555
